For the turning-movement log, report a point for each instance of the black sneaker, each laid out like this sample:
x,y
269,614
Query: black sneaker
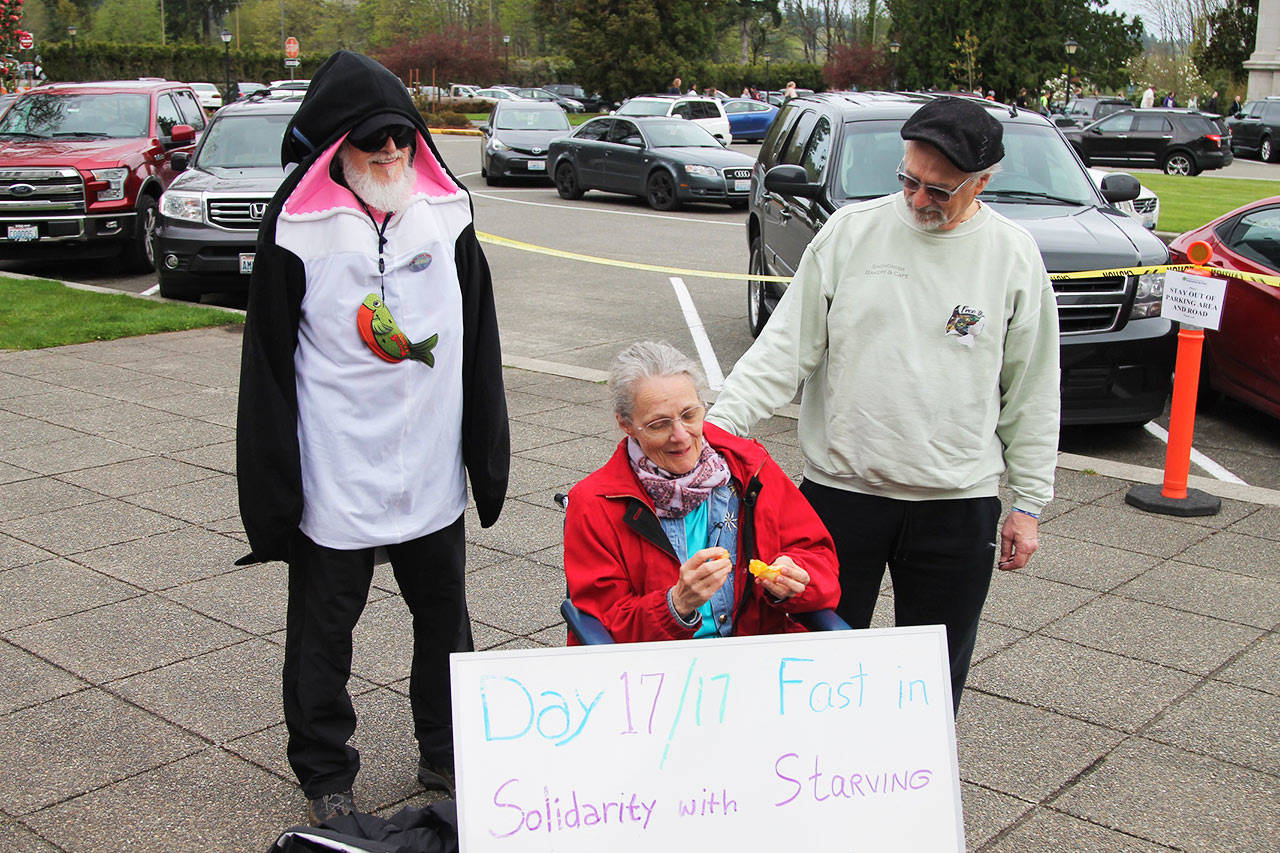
x,y
328,806
435,777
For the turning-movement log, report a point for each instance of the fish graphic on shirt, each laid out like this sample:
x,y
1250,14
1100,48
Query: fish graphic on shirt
x,y
379,331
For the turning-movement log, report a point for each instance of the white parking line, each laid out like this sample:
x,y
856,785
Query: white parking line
x,y
710,365
1204,462
152,290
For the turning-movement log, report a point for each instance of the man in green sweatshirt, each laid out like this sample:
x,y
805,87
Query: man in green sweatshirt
x,y
925,333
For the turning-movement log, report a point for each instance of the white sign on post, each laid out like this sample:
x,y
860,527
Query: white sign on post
x,y
1195,300
840,741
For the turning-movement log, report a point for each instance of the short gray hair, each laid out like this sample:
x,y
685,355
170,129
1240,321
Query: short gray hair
x,y
647,360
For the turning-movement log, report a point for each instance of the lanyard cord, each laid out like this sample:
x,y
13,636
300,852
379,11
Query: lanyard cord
x,y
382,242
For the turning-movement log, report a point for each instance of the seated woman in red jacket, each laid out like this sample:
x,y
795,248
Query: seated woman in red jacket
x,y
658,542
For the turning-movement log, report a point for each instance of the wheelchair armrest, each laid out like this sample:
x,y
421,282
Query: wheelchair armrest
x,y
585,627
821,620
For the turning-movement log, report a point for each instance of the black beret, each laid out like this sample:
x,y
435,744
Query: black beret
x,y
962,129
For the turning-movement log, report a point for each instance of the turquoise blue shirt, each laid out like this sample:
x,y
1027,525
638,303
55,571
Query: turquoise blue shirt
x,y
713,524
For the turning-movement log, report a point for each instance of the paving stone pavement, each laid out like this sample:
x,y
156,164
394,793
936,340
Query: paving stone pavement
x,y
1124,697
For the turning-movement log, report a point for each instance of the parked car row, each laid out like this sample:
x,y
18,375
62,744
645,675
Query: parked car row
x,y
1179,141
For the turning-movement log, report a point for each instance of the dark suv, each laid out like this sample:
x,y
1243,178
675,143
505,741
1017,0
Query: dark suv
x,y
210,214
827,150
1082,111
1256,128
1181,142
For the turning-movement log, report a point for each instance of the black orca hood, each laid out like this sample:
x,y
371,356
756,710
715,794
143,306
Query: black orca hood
x,y
345,89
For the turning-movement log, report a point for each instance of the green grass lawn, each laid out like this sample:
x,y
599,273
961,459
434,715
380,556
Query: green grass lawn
x,y
1189,202
40,314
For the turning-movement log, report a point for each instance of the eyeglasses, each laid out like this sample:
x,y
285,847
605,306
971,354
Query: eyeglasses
x,y
936,194
689,418
402,135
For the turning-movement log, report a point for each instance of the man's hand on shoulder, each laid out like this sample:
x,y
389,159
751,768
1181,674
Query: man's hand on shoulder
x,y
1019,539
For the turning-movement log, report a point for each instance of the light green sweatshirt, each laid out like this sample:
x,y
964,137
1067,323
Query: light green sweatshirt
x,y
929,359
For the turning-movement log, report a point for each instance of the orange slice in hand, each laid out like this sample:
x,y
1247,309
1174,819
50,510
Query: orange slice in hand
x,y
761,569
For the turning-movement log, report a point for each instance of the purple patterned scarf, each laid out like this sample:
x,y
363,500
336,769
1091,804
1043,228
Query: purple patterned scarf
x,y
677,495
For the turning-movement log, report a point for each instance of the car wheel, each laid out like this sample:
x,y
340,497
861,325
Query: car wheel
x,y
567,182
758,310
1179,163
1265,152
660,191
140,255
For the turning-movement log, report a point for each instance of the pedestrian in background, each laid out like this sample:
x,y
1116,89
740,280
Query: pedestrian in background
x,y
370,387
881,332
674,88
1148,98
1211,105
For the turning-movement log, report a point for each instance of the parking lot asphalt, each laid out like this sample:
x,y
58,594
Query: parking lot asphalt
x,y
1124,695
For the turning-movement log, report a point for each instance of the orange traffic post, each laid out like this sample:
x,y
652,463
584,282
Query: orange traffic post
x,y
1173,497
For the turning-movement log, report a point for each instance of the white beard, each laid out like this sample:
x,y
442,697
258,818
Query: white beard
x,y
930,218
387,197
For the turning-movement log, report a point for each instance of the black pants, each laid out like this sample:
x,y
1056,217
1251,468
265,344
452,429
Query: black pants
x,y
940,555
327,592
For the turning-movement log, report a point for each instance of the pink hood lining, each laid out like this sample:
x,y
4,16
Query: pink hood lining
x,y
318,192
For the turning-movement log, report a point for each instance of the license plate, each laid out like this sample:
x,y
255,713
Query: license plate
x,y
740,186
246,263
537,165
24,233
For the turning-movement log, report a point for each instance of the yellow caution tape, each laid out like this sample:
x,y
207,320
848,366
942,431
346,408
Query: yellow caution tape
x,y
493,239
631,265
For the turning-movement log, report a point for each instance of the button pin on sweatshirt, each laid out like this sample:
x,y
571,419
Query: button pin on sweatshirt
x,y
966,323
380,333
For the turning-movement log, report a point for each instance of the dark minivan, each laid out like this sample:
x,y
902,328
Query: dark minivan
x,y
1255,129
827,150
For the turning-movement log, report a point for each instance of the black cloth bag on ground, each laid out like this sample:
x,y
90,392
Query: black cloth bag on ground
x,y
433,829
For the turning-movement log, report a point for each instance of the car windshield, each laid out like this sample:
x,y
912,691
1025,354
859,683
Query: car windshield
x,y
1037,165
679,134
123,116
242,142
644,108
531,120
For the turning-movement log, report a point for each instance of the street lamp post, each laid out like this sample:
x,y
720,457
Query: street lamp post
x,y
767,75
1070,47
894,47
506,57
75,66
226,43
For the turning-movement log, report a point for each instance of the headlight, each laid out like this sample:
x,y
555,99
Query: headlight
x,y
702,171
176,204
1146,300
496,144
115,183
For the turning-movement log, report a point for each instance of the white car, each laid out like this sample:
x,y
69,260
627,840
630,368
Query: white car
x,y
210,96
1145,208
707,112
495,94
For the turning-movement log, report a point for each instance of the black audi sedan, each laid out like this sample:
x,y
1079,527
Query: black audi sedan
x,y
516,137
665,161
828,150
209,215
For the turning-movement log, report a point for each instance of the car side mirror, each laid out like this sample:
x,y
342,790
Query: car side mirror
x,y
1096,130
179,160
485,128
181,134
1118,187
634,141
791,180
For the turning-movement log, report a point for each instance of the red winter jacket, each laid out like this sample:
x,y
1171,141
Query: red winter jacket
x,y
620,564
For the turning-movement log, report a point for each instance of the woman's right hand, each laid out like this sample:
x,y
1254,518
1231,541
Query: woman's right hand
x,y
700,576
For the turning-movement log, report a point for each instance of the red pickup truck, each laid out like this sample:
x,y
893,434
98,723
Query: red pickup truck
x,y
82,166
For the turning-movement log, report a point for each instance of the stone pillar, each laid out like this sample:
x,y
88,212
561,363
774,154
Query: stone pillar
x,y
1264,65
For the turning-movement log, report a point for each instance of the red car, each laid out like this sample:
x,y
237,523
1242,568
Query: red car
x,y
1242,358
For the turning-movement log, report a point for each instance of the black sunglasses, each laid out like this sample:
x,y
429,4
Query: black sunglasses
x,y
402,135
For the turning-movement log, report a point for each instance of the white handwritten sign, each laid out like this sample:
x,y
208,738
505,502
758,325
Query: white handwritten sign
x,y
841,741
1193,299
